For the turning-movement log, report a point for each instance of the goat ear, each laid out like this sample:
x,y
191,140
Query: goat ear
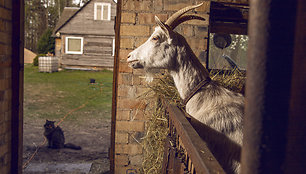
x,y
163,26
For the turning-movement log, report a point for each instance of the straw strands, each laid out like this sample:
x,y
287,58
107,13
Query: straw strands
x,y
163,88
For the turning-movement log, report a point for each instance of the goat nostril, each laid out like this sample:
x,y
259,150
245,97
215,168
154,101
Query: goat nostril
x,y
128,56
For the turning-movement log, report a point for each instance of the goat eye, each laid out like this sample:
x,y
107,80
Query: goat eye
x,y
155,38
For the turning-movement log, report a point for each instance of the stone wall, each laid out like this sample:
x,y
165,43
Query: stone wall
x,y
137,24
5,85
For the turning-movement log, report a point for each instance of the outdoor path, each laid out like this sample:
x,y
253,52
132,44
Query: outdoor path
x,y
94,138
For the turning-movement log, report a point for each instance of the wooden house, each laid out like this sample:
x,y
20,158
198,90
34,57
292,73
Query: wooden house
x,y
85,36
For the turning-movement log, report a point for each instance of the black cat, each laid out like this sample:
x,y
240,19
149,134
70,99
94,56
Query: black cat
x,y
55,137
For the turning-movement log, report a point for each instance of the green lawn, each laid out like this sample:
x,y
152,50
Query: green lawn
x,y
52,95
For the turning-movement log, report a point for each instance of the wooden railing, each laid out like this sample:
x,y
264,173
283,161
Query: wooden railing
x,y
185,151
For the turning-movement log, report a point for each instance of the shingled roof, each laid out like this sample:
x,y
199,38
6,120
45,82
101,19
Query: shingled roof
x,y
66,15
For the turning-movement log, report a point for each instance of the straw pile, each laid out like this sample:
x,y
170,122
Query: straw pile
x,y
163,88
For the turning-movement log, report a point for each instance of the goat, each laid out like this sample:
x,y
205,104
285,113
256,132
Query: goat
x,y
206,101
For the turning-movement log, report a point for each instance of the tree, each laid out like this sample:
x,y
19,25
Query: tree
x,y
40,15
46,42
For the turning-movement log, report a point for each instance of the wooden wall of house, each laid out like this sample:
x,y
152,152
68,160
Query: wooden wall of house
x,y
97,52
97,36
58,45
84,23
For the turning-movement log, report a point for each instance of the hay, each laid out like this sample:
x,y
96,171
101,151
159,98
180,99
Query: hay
x,y
163,88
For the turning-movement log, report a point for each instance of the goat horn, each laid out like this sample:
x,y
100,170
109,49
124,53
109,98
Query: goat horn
x,y
179,13
185,18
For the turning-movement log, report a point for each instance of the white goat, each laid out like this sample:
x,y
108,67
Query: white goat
x,y
206,101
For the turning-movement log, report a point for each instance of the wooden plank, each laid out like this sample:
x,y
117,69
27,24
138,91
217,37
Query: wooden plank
x,y
94,62
196,148
230,18
229,28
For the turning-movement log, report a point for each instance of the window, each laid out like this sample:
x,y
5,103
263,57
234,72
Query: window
x,y
102,11
74,45
227,51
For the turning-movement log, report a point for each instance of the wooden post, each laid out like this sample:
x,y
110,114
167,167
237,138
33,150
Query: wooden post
x,y
270,57
17,85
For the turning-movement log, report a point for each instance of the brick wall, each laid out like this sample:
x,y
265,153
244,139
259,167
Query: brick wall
x,y
11,85
137,24
5,85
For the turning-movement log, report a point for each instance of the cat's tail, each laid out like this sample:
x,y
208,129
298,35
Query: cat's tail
x,y
72,146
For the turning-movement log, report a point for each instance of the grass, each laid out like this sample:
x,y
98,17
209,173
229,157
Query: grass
x,y
53,95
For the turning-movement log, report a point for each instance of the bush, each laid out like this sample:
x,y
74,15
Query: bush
x,y
35,60
46,43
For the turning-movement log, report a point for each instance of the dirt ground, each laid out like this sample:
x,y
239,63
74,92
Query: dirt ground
x,y
92,135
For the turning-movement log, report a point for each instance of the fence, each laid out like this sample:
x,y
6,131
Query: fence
x,y
185,151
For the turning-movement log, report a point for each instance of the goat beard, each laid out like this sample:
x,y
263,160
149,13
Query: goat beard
x,y
149,74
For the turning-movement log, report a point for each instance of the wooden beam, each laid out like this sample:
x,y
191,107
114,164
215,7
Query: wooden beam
x,y
270,55
17,86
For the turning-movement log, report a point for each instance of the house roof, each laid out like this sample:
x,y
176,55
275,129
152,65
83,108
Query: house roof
x,y
67,14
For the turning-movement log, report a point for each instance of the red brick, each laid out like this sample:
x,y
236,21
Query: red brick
x,y
123,115
138,80
122,138
123,53
137,126
196,43
4,149
121,160
138,115
124,68
128,18
158,5
134,30
136,160
125,103
2,25
170,6
140,40
201,31
127,91
125,79
5,14
127,43
5,38
139,72
137,5
5,169
187,30
141,91
8,4
4,106
149,18
131,149
7,116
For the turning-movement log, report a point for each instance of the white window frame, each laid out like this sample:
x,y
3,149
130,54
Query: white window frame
x,y
73,52
114,44
102,4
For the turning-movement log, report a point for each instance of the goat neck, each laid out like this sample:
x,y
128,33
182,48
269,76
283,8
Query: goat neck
x,y
189,71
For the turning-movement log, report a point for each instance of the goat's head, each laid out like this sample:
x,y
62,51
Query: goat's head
x,y
160,50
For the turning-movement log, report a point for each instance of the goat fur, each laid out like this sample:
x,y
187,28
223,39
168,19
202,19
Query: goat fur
x,y
214,106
